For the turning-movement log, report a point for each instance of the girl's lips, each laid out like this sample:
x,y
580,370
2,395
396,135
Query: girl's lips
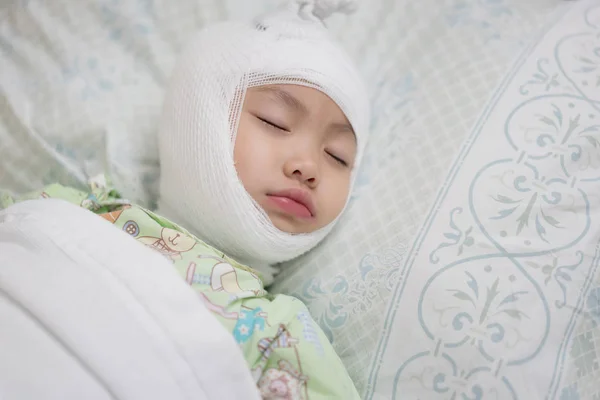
x,y
297,203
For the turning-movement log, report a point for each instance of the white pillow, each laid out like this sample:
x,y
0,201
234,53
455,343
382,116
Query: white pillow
x,y
83,84
499,296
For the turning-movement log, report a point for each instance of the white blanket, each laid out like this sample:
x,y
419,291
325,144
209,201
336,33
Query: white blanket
x,y
88,313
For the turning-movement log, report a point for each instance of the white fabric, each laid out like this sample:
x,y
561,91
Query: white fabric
x,y
322,9
199,184
500,292
88,313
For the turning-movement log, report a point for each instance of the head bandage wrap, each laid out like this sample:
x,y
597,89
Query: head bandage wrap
x,y
199,186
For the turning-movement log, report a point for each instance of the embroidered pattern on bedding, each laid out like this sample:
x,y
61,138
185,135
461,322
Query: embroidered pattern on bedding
x,y
499,298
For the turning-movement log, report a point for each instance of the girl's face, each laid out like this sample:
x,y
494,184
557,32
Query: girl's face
x,y
294,154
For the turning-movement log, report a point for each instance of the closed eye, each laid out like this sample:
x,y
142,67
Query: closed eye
x,y
271,124
337,159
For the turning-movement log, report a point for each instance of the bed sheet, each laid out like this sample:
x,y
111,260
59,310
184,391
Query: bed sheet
x,y
82,86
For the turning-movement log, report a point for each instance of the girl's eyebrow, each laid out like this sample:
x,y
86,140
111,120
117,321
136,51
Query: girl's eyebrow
x,y
287,98
342,127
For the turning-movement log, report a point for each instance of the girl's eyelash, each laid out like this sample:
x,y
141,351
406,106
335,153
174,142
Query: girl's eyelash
x,y
336,158
272,124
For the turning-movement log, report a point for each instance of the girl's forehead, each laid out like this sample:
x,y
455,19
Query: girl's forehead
x,y
303,101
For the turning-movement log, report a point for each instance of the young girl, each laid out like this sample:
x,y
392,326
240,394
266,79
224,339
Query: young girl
x,y
264,127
